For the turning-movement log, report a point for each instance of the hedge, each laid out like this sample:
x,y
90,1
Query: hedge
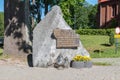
x,y
95,31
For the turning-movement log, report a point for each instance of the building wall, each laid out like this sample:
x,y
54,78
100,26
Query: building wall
x,y
118,12
107,13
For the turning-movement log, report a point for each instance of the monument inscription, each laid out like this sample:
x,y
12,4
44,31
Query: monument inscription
x,y
66,38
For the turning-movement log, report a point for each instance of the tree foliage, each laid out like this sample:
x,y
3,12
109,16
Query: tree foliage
x,y
85,16
81,17
35,10
37,7
69,8
93,17
77,13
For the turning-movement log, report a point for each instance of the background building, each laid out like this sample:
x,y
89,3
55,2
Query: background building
x,y
108,13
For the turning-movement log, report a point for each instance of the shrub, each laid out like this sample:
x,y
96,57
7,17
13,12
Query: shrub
x,y
111,39
95,31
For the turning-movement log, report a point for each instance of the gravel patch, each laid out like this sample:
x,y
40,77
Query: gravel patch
x,y
112,61
17,71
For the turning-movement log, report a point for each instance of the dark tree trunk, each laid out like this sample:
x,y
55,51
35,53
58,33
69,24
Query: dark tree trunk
x,y
16,35
46,7
39,15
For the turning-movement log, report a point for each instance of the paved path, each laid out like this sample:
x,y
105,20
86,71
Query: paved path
x,y
23,72
112,61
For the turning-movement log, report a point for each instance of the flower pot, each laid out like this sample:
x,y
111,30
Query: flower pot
x,y
77,64
88,64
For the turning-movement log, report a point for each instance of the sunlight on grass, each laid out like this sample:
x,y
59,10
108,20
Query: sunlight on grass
x,y
5,56
98,46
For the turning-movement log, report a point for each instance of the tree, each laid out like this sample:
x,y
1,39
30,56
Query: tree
x,y
81,18
92,17
16,34
49,3
69,8
36,7
85,16
77,13
35,10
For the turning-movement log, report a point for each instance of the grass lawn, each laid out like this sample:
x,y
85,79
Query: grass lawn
x,y
1,51
98,46
5,56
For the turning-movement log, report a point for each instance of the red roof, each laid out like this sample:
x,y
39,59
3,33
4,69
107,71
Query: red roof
x,y
102,1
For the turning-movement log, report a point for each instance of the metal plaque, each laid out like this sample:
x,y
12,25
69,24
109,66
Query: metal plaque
x,y
66,38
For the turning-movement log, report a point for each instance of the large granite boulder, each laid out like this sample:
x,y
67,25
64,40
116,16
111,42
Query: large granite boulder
x,y
45,52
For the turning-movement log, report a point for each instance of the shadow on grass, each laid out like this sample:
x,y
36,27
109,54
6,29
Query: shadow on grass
x,y
30,60
1,46
1,54
106,45
98,51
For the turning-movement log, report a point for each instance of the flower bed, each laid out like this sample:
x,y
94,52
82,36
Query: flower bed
x,y
81,62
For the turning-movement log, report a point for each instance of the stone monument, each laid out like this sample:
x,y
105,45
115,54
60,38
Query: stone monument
x,y
16,35
53,38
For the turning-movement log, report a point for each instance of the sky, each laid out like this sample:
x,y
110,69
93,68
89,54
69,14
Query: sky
x,y
92,1
2,4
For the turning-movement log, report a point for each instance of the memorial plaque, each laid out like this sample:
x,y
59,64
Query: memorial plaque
x,y
66,38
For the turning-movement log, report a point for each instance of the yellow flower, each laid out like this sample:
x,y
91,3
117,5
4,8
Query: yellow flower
x,y
81,58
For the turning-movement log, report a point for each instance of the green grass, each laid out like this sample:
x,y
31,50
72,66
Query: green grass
x,y
1,51
98,46
5,56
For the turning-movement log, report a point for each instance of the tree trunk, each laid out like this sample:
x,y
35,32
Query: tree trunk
x,y
46,7
16,35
